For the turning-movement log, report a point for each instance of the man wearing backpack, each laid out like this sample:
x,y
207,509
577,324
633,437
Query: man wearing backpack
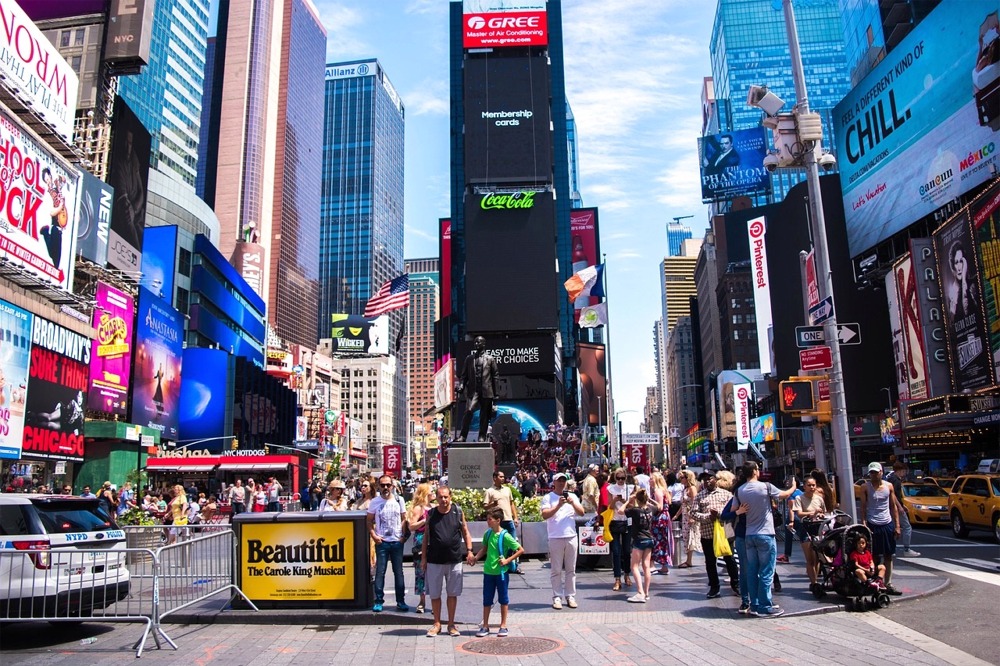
x,y
447,543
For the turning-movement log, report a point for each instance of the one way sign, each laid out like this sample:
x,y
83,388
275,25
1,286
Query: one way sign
x,y
814,336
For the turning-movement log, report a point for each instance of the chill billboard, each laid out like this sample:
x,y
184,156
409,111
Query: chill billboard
x,y
129,175
986,222
111,351
157,376
965,324
57,386
732,164
508,135
15,355
586,248
38,218
511,236
922,128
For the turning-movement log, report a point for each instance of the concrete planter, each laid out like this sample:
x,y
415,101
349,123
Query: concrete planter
x,y
534,538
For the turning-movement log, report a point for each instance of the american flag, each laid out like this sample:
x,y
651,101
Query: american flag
x,y
393,295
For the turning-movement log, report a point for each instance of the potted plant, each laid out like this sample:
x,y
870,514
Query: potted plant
x,y
139,533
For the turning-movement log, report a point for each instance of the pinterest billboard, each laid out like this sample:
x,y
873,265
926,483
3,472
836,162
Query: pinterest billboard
x,y
756,229
741,409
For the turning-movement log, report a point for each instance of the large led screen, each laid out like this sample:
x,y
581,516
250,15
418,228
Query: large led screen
x,y
157,376
531,355
111,351
159,252
37,207
585,245
510,263
93,219
732,164
130,147
15,354
360,335
508,134
504,23
593,383
206,403
57,384
921,129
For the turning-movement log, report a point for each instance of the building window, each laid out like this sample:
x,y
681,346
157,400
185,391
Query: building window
x,y
64,38
74,63
184,263
79,37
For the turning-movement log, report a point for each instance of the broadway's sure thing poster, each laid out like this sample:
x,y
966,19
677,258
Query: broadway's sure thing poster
x,y
57,386
157,377
15,351
111,353
965,325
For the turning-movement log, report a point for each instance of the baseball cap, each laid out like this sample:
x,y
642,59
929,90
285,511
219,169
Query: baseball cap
x,y
875,467
561,476
594,468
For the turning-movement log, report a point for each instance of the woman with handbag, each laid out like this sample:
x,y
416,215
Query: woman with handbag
x,y
691,528
711,501
621,545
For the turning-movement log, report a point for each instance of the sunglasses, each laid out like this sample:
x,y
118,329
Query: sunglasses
x,y
619,478
385,485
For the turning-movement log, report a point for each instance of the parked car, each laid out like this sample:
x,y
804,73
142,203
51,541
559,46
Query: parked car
x,y
925,503
52,557
974,504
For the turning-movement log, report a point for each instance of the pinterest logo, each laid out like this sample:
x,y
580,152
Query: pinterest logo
x,y
756,229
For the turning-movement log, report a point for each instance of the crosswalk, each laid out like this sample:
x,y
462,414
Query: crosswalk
x,y
983,571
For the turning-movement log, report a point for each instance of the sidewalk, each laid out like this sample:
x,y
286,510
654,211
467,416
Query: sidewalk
x,y
681,592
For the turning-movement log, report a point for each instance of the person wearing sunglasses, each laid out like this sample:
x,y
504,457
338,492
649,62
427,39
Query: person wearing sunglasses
x,y
621,546
386,514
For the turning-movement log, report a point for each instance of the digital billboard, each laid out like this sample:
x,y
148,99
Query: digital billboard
x,y
444,251
922,128
111,351
508,135
518,415
15,355
129,175
38,218
57,384
156,378
93,219
732,164
129,33
159,260
590,360
504,23
360,335
965,323
986,222
33,66
585,245
206,402
510,240
532,355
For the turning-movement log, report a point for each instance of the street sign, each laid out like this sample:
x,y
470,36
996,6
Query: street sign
x,y
815,358
330,416
821,311
814,336
824,389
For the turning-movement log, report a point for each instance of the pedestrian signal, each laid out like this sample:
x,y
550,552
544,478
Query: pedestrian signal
x,y
796,396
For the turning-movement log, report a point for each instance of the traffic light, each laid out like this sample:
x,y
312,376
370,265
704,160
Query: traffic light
x,y
796,395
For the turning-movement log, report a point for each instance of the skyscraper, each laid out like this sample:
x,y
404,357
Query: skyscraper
x,y
166,96
677,233
361,243
263,177
749,46
424,300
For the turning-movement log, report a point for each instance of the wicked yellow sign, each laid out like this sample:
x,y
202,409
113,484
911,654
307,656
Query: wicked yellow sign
x,y
297,561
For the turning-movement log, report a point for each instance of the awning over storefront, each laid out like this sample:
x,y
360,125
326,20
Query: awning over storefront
x,y
180,468
248,466
222,463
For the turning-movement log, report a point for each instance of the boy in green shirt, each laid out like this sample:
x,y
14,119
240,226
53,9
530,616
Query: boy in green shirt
x,y
495,578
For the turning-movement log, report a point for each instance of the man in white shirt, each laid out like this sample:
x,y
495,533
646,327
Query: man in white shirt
x,y
386,514
559,511
641,478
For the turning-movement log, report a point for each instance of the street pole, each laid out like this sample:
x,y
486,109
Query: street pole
x,y
838,401
819,447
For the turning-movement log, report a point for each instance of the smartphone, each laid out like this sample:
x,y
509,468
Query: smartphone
x,y
565,494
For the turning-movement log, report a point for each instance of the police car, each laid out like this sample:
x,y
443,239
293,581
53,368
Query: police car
x,y
54,559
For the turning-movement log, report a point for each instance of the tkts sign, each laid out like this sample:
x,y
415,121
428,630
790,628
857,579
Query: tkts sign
x,y
502,23
392,460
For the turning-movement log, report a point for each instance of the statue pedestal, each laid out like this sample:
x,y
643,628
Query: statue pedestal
x,y
470,465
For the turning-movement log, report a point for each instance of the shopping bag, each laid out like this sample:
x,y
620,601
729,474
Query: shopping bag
x,y
720,542
606,517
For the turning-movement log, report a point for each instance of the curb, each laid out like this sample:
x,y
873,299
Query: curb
x,y
840,607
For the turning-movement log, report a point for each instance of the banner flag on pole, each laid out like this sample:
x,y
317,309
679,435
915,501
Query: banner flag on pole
x,y
588,282
593,316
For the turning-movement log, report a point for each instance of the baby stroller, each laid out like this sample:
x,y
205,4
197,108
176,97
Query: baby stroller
x,y
833,544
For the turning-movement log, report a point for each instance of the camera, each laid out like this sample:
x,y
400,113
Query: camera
x,y
771,162
827,162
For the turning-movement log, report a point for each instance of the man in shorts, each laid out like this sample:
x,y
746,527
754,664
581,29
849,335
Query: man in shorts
x,y
447,543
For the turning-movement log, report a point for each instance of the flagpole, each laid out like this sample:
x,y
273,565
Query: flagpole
x,y
609,403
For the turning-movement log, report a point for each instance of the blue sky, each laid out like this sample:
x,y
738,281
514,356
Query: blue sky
x,y
634,71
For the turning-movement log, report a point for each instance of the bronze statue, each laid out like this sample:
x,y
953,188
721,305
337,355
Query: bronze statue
x,y
480,386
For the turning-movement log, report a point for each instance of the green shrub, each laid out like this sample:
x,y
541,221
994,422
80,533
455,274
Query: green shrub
x,y
471,501
529,509
136,516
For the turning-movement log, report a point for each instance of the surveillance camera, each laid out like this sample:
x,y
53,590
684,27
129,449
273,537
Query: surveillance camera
x,y
827,162
761,98
771,162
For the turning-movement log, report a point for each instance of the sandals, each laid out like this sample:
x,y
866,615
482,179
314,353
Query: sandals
x,y
683,565
617,586
433,631
454,632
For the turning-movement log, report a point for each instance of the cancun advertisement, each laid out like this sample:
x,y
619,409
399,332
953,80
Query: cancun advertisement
x,y
986,222
504,23
15,354
922,128
360,335
965,325
38,218
111,351
306,562
206,409
157,376
732,164
585,245
57,385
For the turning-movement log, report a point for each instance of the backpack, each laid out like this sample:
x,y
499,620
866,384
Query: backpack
x,y
500,548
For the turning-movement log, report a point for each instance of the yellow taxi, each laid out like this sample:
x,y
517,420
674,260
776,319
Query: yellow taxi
x,y
925,503
974,504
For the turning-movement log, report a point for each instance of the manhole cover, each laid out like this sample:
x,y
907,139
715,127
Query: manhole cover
x,y
511,646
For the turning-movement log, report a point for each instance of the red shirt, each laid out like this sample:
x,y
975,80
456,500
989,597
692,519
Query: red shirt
x,y
863,560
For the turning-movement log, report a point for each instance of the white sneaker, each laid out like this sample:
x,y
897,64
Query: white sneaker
x,y
637,598
571,601
909,552
557,603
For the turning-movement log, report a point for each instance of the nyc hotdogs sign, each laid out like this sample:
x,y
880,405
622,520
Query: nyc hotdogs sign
x,y
294,561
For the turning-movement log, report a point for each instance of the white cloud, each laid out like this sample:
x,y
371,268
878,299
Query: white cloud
x,y
342,21
430,97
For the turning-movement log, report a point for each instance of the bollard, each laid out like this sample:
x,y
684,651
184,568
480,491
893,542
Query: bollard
x,y
678,543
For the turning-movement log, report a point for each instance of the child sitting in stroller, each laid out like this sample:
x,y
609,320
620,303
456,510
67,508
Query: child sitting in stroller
x,y
864,565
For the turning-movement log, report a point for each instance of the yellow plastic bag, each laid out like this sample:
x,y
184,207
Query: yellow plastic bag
x,y
606,517
719,540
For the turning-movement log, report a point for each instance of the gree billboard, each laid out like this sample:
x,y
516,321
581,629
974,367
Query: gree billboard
x,y
504,23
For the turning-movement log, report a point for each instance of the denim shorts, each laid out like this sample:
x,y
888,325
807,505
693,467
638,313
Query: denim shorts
x,y
642,544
